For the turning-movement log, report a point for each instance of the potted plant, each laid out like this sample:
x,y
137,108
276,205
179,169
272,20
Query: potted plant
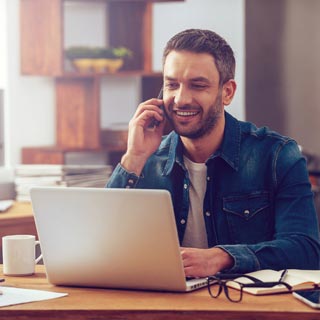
x,y
122,52
100,59
117,59
81,57
113,58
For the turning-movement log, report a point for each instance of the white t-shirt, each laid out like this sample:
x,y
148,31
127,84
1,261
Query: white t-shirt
x,y
196,235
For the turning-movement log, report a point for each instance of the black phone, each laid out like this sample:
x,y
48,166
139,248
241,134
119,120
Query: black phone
x,y
155,122
310,297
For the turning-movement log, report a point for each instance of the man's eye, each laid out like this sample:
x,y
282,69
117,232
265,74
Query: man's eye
x,y
171,86
199,86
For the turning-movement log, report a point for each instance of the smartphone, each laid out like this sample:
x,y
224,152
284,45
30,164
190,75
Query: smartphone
x,y
310,297
155,122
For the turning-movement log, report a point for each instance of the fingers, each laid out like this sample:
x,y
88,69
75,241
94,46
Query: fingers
x,y
148,110
186,255
197,262
205,262
191,262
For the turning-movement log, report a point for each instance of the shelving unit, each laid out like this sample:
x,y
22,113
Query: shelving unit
x,y
78,94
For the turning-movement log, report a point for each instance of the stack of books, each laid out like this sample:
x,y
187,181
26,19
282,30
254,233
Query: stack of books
x,y
88,176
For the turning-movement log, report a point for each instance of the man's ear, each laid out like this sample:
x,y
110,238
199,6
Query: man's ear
x,y
228,91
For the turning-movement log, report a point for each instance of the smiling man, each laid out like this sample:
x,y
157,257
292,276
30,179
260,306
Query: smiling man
x,y
241,194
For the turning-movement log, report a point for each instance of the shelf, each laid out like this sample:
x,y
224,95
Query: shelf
x,y
57,155
55,148
77,95
129,24
151,1
119,74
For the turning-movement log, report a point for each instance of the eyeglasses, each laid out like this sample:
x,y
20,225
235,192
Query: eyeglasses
x,y
234,289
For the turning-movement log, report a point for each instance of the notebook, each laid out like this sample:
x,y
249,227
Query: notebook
x,y
297,279
110,238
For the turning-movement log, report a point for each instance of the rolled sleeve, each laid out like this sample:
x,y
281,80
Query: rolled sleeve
x,y
121,178
245,260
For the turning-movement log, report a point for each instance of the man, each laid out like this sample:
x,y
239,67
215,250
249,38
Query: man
x,y
241,194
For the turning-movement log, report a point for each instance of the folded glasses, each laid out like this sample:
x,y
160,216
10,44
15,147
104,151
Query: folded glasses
x,y
233,289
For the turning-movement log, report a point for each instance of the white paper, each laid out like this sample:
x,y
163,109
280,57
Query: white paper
x,y
11,296
5,204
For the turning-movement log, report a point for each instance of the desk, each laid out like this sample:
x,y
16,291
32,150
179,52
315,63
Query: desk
x,y
17,220
98,304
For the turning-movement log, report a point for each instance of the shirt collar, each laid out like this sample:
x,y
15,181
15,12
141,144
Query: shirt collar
x,y
229,150
175,153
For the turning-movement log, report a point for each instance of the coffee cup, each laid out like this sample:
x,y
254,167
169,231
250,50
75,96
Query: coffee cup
x,y
18,252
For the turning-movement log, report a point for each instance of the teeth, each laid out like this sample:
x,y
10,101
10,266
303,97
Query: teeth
x,y
186,113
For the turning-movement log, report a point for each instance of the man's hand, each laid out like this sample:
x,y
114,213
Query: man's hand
x,y
205,262
143,141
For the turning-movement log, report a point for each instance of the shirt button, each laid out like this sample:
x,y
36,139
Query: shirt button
x,y
208,214
185,186
208,178
182,221
246,212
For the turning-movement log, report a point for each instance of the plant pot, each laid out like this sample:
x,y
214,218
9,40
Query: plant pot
x,y
100,65
83,65
113,65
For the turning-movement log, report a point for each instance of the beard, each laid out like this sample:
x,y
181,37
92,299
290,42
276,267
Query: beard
x,y
203,127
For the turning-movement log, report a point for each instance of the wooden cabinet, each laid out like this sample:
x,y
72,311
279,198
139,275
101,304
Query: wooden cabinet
x,y
78,94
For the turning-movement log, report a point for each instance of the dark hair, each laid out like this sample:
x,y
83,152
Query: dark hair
x,y
205,41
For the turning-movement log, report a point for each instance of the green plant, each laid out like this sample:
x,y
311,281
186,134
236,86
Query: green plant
x,y
106,53
83,52
79,52
113,53
122,52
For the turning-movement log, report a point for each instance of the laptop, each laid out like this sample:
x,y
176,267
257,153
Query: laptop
x,y
110,238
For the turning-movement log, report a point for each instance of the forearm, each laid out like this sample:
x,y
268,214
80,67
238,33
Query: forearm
x,y
132,164
295,252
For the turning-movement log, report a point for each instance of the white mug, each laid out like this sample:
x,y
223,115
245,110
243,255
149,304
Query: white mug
x,y
18,252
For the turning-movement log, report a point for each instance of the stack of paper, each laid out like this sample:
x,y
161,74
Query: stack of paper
x,y
27,176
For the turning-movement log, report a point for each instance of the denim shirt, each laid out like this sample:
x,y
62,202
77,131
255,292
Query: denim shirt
x,y
258,204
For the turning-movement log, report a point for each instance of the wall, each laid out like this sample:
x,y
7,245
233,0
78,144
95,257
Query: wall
x,y
30,99
301,72
3,73
32,111
282,68
1,128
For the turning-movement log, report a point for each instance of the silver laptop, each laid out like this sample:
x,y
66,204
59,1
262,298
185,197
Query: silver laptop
x,y
111,238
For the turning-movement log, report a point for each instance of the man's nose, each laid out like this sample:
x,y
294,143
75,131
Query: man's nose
x,y
182,96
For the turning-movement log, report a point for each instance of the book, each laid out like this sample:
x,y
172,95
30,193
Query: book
x,y
297,279
32,175
59,169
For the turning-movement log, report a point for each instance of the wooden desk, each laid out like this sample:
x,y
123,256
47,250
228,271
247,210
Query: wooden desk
x,y
17,220
89,303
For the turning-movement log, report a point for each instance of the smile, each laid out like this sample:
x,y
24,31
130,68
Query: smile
x,y
186,113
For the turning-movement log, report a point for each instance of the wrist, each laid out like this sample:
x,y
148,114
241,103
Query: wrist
x,y
133,164
226,261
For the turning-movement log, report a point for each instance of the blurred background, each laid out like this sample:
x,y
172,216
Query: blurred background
x,y
52,112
